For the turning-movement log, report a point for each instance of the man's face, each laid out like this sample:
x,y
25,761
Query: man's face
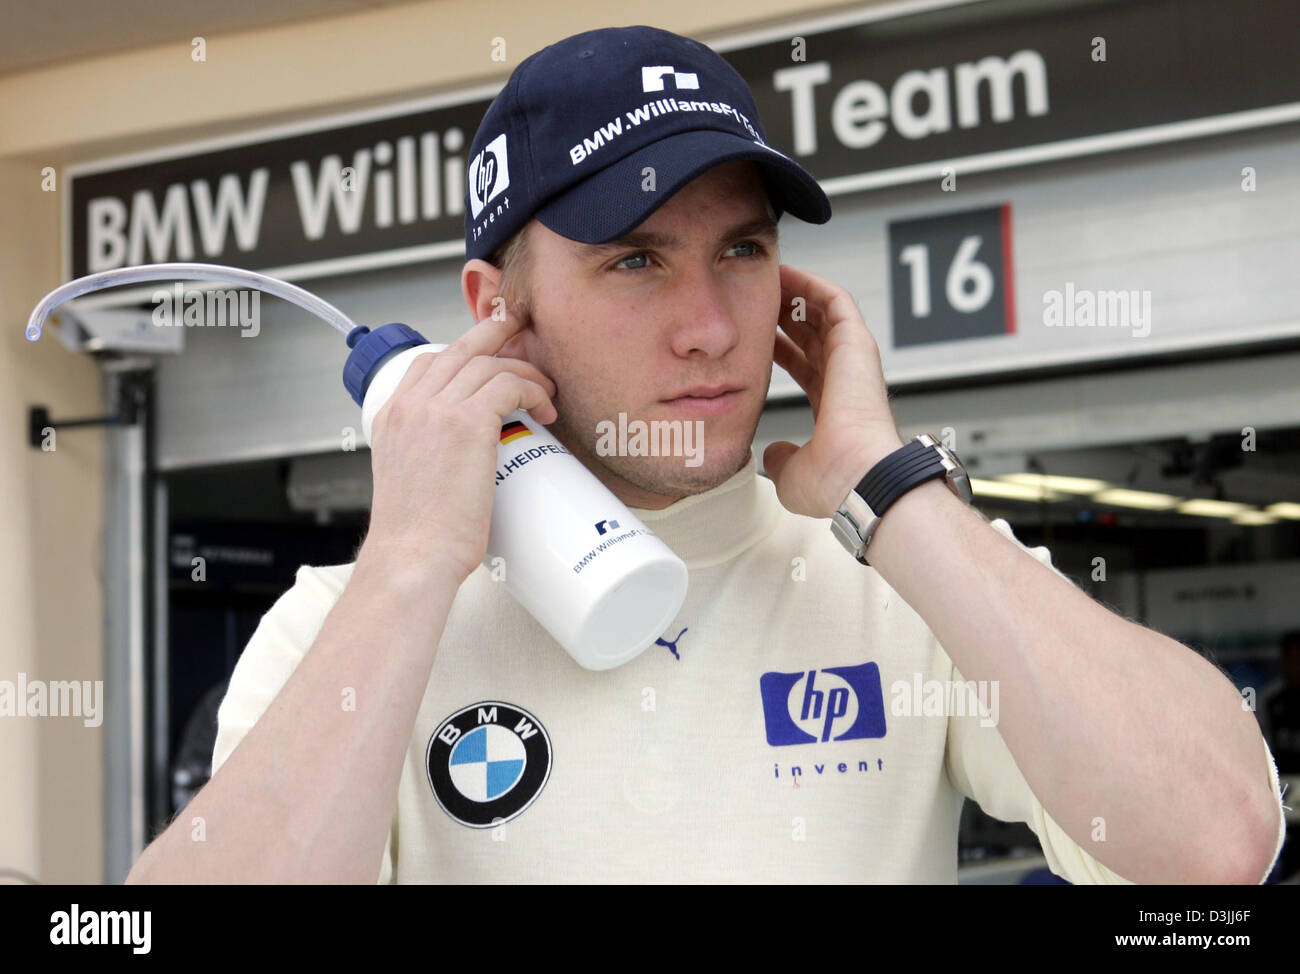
x,y
690,301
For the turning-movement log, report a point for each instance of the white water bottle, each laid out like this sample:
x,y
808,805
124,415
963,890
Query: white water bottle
x,y
595,577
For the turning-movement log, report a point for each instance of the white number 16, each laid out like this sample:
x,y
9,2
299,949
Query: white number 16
x,y
965,268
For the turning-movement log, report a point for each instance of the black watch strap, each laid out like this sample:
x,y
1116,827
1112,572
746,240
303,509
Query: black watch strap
x,y
898,473
924,458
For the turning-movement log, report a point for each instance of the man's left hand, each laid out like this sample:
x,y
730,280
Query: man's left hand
x,y
828,349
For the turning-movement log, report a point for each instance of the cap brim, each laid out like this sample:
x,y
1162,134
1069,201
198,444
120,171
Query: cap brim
x,y
612,202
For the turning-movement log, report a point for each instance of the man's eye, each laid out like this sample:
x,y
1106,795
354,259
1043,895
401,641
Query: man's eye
x,y
755,251
758,250
640,256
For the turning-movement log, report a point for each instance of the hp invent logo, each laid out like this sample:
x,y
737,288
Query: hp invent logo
x,y
488,762
489,174
838,703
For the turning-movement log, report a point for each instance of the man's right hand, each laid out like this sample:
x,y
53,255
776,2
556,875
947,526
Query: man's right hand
x,y
434,448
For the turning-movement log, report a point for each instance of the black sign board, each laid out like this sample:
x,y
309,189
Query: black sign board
x,y
868,99
951,276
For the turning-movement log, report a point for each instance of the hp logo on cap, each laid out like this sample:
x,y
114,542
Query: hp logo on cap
x,y
489,174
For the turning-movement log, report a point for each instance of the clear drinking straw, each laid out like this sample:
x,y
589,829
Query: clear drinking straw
x,y
180,271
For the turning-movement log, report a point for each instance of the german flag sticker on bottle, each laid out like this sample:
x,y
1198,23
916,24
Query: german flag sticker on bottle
x,y
513,431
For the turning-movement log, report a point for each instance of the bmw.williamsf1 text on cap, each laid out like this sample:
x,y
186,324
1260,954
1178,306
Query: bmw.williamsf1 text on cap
x,y
568,138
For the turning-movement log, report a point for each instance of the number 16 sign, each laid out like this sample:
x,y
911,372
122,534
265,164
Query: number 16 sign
x,y
950,276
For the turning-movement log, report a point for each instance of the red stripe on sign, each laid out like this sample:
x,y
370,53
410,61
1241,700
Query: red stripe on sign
x,y
1008,272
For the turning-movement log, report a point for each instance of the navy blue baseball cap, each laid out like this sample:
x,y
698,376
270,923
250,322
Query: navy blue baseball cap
x,y
569,138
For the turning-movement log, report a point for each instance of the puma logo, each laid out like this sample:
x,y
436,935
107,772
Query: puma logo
x,y
672,646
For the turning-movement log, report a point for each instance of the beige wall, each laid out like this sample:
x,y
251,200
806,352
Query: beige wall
x,y
51,805
51,596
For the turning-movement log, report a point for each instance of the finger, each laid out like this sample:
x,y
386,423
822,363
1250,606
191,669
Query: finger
x,y
810,381
790,357
415,372
433,370
505,392
775,457
827,303
487,336
478,371
804,336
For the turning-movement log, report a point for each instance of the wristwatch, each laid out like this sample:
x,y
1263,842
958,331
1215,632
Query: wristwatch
x,y
910,466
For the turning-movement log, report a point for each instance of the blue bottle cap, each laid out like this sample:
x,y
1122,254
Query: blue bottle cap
x,y
368,348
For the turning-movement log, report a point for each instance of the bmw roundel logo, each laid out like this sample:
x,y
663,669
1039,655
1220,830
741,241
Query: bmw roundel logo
x,y
488,762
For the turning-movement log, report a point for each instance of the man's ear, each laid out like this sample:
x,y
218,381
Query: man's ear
x,y
480,283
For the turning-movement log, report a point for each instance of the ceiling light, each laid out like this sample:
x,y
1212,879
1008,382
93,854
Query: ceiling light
x,y
1018,492
1253,517
1145,499
1069,485
1205,507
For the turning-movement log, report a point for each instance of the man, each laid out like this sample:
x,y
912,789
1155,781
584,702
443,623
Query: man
x,y
403,719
